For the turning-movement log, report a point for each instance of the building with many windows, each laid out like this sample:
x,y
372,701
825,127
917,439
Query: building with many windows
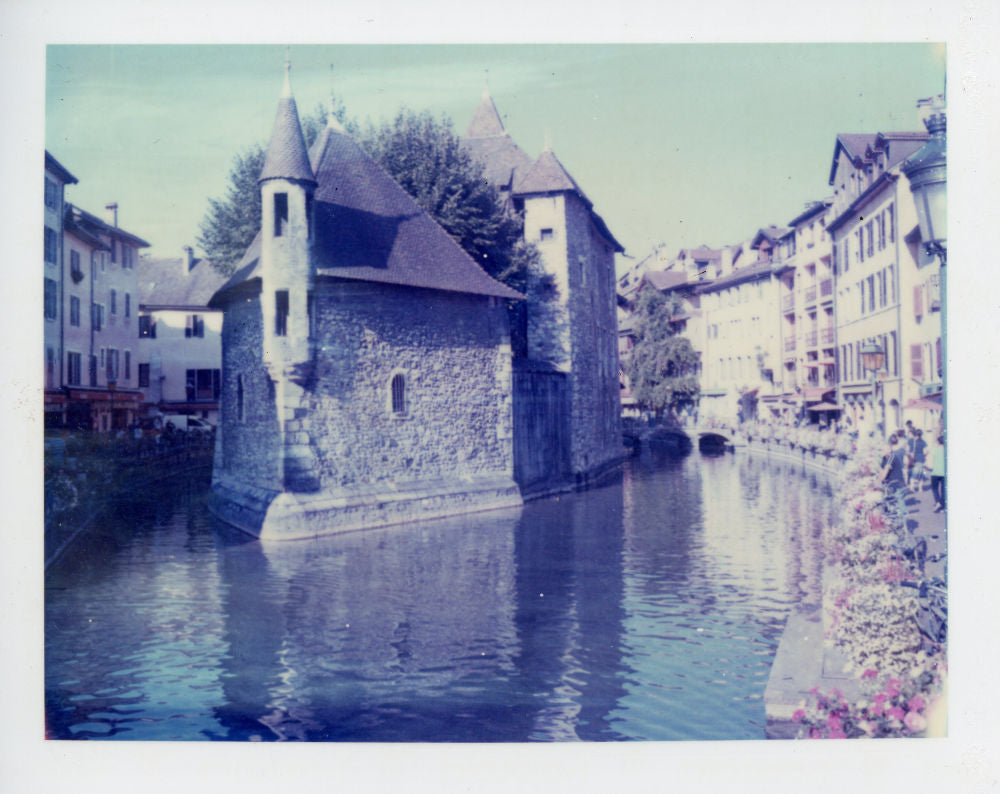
x,y
90,312
882,278
54,288
102,310
179,336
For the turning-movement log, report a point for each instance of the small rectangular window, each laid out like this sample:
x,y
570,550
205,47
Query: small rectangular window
x,y
92,367
195,326
51,194
50,366
73,369
143,375
280,213
51,245
281,312
546,234
239,398
51,301
128,364
114,302
74,310
398,394
97,316
147,327
75,271
128,305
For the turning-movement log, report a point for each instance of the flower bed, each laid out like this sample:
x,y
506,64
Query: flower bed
x,y
870,617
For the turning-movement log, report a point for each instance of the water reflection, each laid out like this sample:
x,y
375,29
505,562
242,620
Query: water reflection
x,y
649,608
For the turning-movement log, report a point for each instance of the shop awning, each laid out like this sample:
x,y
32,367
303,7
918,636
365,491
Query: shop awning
x,y
824,407
923,404
816,393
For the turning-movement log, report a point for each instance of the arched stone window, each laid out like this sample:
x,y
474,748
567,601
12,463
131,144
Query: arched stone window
x,y
398,389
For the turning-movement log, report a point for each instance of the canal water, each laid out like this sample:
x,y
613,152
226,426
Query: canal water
x,y
649,608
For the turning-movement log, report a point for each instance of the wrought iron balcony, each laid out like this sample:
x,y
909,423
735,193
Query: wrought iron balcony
x,y
810,294
810,339
826,335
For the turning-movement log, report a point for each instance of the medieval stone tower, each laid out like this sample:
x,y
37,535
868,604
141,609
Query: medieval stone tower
x,y
578,250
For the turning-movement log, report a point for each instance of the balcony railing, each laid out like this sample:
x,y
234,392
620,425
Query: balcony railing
x,y
787,303
811,294
826,335
810,339
826,288
790,344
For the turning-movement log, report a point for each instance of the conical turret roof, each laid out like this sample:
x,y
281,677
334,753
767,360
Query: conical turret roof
x,y
287,157
486,120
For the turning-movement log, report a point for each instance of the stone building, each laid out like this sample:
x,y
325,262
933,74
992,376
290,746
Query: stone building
x,y
180,337
366,364
578,250
54,288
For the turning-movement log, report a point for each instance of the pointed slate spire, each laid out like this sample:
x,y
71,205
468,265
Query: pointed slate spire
x,y
486,120
286,155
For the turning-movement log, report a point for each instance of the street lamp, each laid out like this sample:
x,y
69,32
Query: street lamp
x,y
872,358
927,171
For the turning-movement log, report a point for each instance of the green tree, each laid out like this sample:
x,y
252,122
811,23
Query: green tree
x,y
231,222
662,367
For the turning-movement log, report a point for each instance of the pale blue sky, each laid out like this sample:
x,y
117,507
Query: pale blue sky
x,y
680,144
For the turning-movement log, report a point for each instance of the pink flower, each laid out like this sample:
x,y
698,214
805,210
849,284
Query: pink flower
x,y
880,698
892,687
914,722
869,673
798,715
896,713
837,734
833,722
916,703
877,708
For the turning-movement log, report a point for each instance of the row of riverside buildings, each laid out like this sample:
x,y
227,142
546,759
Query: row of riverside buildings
x,y
780,319
124,335
359,363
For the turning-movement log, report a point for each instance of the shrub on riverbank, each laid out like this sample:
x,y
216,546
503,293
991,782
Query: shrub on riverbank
x,y
870,617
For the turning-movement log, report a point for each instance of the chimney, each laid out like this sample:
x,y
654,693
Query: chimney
x,y
187,261
111,214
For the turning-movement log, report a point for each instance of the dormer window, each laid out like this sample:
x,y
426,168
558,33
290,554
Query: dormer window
x,y
280,213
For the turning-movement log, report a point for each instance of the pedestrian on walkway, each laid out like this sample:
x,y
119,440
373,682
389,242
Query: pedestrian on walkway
x,y
937,474
919,453
893,476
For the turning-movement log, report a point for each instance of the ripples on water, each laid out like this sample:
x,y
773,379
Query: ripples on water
x,y
649,608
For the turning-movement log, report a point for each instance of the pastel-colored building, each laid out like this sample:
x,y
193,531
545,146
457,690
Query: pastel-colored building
x,y
179,336
881,274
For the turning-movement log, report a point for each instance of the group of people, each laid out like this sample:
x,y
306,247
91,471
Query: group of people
x,y
907,460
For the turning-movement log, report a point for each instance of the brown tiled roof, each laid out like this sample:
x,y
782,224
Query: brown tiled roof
x,y
547,175
486,120
53,165
504,162
163,282
737,276
703,252
368,228
85,221
772,233
665,279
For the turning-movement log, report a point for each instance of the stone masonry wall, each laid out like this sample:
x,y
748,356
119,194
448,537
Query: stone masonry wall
x,y
596,412
454,354
541,429
247,450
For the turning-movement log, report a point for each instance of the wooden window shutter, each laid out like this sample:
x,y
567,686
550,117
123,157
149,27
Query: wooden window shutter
x,y
918,304
916,361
